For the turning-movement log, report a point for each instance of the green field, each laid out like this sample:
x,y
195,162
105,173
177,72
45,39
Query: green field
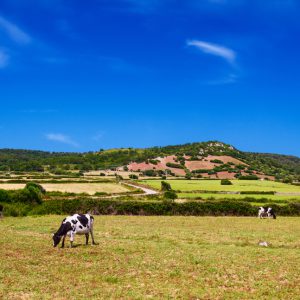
x,y
209,196
152,257
237,185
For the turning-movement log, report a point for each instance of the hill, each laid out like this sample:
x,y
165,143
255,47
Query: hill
x,y
211,159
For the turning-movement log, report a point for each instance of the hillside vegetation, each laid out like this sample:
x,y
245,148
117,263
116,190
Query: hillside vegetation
x,y
280,166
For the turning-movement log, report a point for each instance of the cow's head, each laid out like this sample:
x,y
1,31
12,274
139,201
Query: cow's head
x,y
56,239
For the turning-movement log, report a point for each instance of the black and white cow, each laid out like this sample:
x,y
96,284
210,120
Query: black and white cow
x,y
265,212
76,224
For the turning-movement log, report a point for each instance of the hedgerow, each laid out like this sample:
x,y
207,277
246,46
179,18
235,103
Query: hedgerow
x,y
114,207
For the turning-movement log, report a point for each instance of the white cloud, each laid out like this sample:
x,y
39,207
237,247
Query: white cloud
x,y
218,50
4,59
14,32
61,138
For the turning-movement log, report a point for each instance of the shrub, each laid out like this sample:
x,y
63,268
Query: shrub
x,y
133,176
107,207
170,195
150,173
165,186
5,196
36,186
173,165
226,182
102,174
188,176
201,171
217,161
28,195
257,193
153,161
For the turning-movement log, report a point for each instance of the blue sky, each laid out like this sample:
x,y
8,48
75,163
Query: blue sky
x,y
80,76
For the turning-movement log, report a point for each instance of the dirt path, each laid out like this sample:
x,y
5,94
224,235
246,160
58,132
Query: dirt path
x,y
145,190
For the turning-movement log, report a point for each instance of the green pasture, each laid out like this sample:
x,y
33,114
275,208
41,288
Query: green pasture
x,y
215,185
208,196
153,258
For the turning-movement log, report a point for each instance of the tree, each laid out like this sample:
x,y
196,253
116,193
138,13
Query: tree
x,y
165,186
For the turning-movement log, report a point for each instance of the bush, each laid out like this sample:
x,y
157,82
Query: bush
x,y
257,193
5,196
165,186
36,186
28,195
113,207
133,176
173,165
102,174
170,195
150,173
188,176
201,171
217,161
226,182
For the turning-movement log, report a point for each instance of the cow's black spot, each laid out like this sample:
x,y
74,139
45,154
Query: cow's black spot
x,y
80,226
64,228
74,221
83,220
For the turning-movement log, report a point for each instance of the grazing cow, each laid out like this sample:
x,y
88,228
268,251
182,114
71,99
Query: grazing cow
x,y
76,224
265,212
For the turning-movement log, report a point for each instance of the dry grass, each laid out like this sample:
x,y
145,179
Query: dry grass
x,y
89,188
153,257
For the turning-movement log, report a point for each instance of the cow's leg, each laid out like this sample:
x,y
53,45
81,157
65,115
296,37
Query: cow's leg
x,y
87,238
63,241
72,238
92,235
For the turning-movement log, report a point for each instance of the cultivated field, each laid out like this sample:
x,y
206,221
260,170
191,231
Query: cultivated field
x,y
152,258
73,187
237,185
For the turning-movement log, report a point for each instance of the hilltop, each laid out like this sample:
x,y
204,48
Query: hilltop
x,y
213,159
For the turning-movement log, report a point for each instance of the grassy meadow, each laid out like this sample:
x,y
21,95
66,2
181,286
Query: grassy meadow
x,y
253,191
152,258
237,186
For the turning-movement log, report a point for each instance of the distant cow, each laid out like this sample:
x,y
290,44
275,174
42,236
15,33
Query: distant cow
x,y
266,212
76,224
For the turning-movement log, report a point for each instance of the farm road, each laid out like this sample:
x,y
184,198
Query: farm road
x,y
146,191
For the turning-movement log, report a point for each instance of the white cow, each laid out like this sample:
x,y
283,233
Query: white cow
x,y
76,224
265,212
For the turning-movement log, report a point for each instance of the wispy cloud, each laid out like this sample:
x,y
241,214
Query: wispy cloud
x,y
4,59
214,49
61,138
14,32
